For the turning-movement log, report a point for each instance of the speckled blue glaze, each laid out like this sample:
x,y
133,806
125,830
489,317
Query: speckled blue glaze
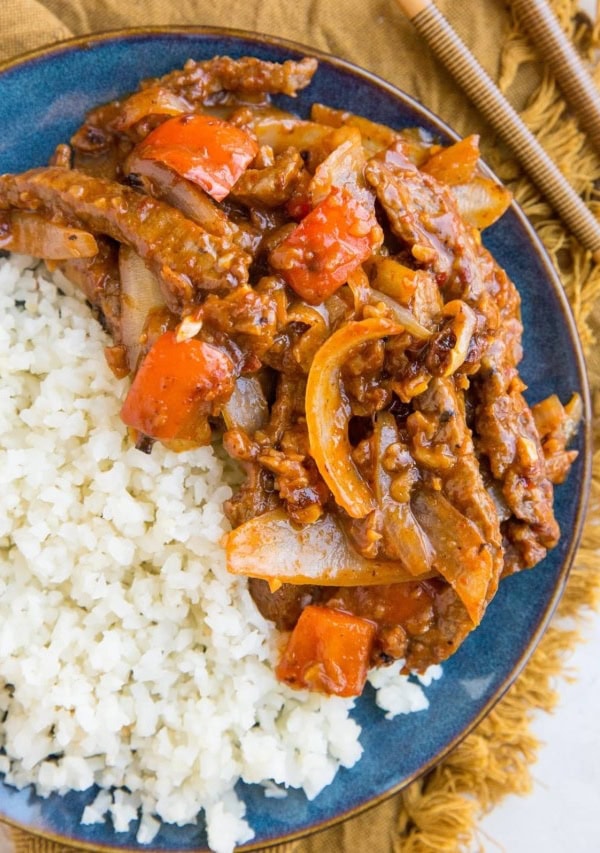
x,y
42,101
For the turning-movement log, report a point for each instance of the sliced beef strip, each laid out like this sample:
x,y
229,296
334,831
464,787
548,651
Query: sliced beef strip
x,y
419,213
423,214
199,80
271,186
187,259
101,145
443,634
256,495
508,437
462,482
422,622
284,606
507,434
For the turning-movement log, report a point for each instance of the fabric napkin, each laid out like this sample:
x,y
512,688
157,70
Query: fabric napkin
x,y
438,813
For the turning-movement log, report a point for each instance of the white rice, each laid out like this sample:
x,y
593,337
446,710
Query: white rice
x,y
129,657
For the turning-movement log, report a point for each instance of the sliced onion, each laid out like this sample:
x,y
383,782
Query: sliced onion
x,y
192,201
281,133
464,322
404,539
385,433
548,415
461,555
310,315
574,413
482,201
393,284
316,317
393,278
454,164
140,293
402,315
247,408
375,137
343,167
358,282
30,234
275,549
149,102
363,294
328,413
552,418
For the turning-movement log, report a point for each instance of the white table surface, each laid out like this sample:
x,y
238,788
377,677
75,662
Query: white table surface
x,y
562,814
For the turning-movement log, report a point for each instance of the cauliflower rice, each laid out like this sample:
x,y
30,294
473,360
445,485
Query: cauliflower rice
x,y
129,657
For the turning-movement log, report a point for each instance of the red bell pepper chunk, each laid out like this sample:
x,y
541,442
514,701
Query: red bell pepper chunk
x,y
175,387
328,652
326,246
206,150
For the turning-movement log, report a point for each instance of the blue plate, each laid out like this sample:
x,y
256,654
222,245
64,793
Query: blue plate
x,y
43,98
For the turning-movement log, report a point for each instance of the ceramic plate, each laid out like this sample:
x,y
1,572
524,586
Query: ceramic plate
x,y
43,98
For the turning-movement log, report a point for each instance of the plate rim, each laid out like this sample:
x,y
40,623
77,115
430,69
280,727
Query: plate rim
x,y
89,41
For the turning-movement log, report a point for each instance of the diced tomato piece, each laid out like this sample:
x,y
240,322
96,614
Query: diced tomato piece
x,y
328,651
327,245
206,150
175,387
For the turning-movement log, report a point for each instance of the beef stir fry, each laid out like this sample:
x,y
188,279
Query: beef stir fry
x,y
317,292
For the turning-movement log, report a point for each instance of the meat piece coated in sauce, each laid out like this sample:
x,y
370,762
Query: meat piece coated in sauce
x,y
431,414
424,215
187,259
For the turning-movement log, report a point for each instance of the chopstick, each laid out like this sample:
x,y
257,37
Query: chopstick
x,y
573,77
481,89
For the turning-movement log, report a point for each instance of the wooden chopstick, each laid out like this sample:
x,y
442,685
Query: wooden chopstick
x,y
571,74
481,89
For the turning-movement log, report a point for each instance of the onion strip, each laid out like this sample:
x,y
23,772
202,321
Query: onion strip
x,y
191,200
272,547
149,102
481,201
140,293
462,558
328,414
404,539
247,408
401,315
31,234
